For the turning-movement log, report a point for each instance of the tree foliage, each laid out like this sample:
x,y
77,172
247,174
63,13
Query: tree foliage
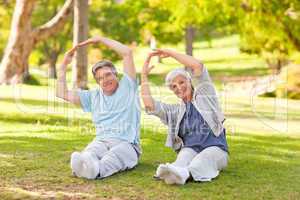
x,y
49,50
271,28
6,12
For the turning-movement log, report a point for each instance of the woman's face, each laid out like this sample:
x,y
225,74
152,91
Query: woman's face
x,y
182,88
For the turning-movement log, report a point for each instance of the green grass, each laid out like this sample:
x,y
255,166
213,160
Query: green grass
x,y
38,135
39,132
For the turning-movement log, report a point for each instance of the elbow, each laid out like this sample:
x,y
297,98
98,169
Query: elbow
x,y
199,64
59,94
197,68
149,108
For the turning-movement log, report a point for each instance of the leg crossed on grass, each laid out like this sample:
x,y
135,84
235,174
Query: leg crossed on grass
x,y
101,159
203,166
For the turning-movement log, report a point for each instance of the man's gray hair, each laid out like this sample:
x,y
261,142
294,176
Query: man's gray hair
x,y
174,73
103,63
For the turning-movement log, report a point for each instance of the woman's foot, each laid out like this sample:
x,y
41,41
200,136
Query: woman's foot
x,y
178,175
172,174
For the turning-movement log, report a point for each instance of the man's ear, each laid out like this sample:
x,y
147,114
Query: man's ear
x,y
95,79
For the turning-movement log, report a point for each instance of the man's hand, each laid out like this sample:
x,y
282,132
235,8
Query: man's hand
x,y
93,40
68,57
146,69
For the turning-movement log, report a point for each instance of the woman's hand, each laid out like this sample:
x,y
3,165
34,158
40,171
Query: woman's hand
x,y
146,69
93,40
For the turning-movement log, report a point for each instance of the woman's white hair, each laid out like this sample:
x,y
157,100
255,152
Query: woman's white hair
x,y
176,72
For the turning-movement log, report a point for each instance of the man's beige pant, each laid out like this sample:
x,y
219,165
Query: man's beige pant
x,y
113,156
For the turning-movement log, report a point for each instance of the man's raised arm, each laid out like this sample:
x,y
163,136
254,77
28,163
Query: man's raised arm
x,y
61,86
124,51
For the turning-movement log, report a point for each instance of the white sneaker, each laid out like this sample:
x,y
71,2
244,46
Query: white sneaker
x,y
178,175
84,165
76,164
163,173
90,166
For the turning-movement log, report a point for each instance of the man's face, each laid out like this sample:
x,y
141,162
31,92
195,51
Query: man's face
x,y
107,80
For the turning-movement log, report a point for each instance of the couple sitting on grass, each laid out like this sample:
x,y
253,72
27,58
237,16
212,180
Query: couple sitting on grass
x,y
195,125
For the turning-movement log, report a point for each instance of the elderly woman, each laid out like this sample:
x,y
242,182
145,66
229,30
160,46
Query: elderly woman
x,y
195,125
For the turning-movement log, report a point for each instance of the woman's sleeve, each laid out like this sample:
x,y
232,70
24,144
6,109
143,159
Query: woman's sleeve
x,y
165,112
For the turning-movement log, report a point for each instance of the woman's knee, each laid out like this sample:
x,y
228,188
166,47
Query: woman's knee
x,y
207,165
200,165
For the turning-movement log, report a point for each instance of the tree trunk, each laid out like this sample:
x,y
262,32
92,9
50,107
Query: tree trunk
x,y
153,46
5,2
19,45
189,38
23,38
80,34
52,65
276,65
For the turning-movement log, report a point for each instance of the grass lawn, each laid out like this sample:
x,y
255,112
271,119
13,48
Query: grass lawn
x,y
38,133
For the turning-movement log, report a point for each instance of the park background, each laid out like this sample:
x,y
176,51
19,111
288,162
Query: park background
x,y
250,47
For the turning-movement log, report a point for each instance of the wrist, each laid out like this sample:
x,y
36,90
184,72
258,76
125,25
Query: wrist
x,y
170,52
62,73
144,78
144,75
63,65
98,39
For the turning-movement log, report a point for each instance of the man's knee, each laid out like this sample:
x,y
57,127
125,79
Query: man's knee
x,y
98,148
119,158
126,153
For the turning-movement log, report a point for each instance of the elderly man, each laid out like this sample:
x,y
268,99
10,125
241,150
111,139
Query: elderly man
x,y
115,113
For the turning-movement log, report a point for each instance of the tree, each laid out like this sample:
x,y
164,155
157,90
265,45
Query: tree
x,y
6,10
23,37
190,16
80,77
119,20
48,51
132,22
53,47
271,29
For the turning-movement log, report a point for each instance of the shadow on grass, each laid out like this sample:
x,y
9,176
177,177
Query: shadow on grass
x,y
256,71
229,60
40,119
156,79
41,144
37,80
159,79
213,46
33,102
281,144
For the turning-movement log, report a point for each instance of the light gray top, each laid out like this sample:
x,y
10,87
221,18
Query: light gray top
x,y
205,101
